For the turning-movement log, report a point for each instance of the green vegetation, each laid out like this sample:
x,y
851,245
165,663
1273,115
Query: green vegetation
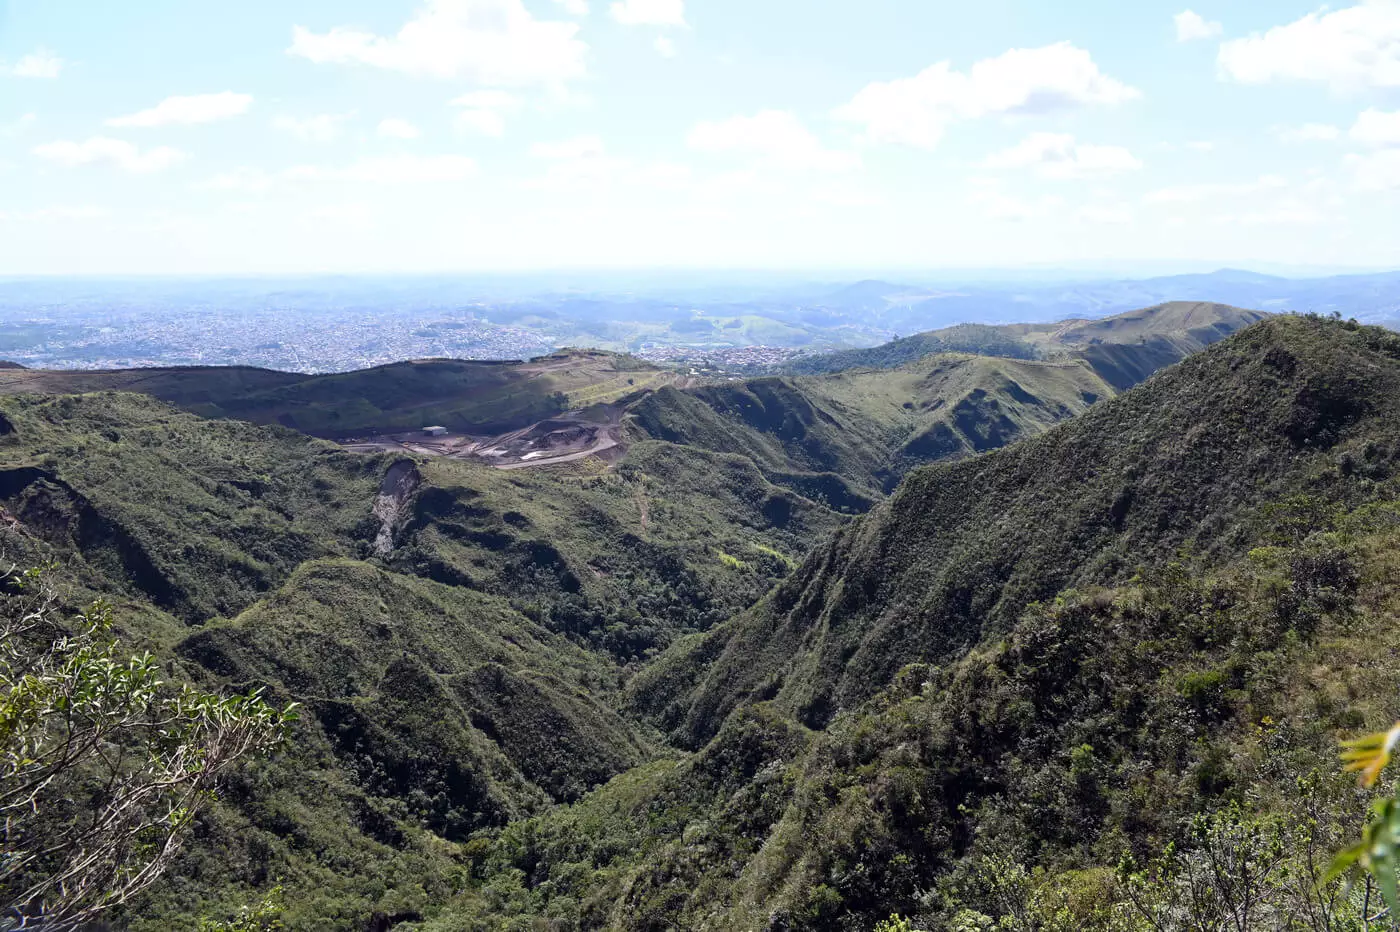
x,y
959,551
103,766
461,680
1375,853
849,437
1056,767
1147,696
1086,675
198,519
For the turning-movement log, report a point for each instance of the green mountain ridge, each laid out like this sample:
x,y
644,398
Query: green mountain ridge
x,y
1170,605
877,413
960,550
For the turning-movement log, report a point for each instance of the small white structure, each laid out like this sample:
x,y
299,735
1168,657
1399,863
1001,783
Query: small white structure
x,y
435,431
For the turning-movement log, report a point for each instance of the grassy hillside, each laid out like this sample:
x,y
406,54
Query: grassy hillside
x,y
858,431
971,708
671,541
858,428
459,394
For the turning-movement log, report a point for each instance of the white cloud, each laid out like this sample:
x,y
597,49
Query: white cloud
x,y
485,122
392,169
1377,128
995,203
916,111
252,180
59,212
844,196
485,111
386,170
777,137
1376,171
493,42
1351,48
582,160
665,47
353,216
1058,156
37,64
78,212
574,7
197,108
1191,25
325,127
1105,215
395,128
487,100
582,163
1193,193
1200,145
18,125
649,12
579,147
1291,213
118,152
1308,132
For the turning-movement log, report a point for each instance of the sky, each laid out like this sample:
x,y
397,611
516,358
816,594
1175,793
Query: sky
x,y
308,136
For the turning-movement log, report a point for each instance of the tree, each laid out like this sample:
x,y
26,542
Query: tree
x,y
1376,853
1228,880
263,916
103,763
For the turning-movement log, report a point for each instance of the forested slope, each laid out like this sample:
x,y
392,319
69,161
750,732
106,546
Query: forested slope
x,y
455,635
691,691
959,551
1024,667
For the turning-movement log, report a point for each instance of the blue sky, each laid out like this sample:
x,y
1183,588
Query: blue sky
x,y
162,136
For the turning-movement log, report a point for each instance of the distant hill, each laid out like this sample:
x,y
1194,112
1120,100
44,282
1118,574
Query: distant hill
x,y
867,427
1182,325
904,405
462,395
983,339
1371,298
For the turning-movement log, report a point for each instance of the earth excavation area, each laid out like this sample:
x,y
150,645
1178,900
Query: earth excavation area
x,y
566,437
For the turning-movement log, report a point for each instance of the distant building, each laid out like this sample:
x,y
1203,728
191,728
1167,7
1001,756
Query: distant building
x,y
435,431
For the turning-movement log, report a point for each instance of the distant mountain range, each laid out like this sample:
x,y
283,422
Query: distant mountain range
x,y
346,323
1369,298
